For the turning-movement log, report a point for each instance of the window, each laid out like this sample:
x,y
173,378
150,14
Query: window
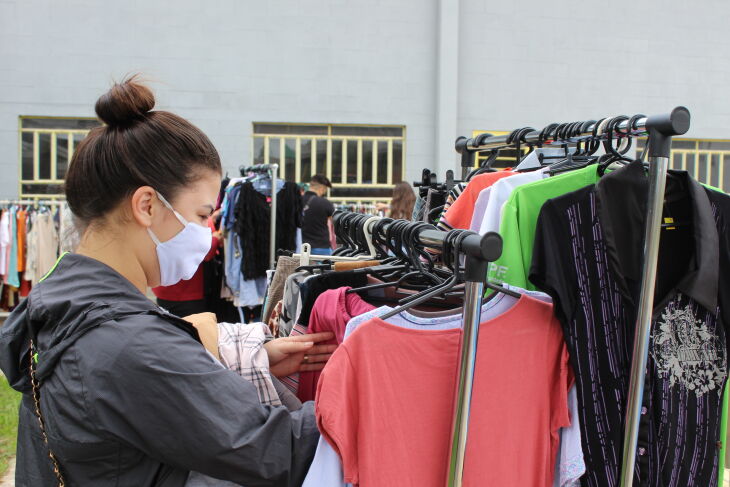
x,y
46,147
704,159
362,161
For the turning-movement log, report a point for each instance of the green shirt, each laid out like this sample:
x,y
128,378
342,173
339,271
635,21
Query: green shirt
x,y
519,220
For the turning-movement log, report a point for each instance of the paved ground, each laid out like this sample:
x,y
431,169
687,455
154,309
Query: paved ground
x,y
8,479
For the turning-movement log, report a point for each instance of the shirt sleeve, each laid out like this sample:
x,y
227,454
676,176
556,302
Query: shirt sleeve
x,y
561,386
162,393
551,270
337,411
329,207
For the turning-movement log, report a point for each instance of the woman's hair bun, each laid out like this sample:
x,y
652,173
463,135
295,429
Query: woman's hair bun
x,y
125,103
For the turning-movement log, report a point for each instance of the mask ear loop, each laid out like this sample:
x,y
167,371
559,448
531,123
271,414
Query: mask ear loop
x,y
169,207
153,236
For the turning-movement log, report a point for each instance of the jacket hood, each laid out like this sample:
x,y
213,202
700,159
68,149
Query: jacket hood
x,y
78,295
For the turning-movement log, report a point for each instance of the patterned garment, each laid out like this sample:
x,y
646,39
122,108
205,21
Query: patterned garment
x,y
587,256
241,348
453,194
285,267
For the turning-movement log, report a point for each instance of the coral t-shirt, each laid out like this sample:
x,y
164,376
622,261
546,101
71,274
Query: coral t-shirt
x,y
460,213
385,402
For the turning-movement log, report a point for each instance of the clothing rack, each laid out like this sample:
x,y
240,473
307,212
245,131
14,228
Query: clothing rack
x,y
429,181
33,202
273,172
660,129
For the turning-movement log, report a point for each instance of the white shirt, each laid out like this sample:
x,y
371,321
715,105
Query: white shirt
x,y
500,192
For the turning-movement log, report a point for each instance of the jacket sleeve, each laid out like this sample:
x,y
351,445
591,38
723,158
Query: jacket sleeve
x,y
161,392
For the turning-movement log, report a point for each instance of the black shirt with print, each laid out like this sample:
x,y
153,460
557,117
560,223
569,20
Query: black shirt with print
x,y
587,256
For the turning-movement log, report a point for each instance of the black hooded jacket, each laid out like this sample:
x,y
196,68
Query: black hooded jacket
x,y
131,398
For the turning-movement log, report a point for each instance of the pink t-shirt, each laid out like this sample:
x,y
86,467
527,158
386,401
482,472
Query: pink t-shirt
x,y
331,312
385,402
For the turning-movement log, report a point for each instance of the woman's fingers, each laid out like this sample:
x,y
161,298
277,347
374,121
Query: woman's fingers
x,y
292,347
312,337
322,349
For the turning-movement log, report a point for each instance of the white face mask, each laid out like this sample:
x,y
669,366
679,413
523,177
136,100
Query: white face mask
x,y
180,256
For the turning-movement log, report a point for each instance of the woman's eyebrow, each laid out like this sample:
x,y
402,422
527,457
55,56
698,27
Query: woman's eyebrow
x,y
211,208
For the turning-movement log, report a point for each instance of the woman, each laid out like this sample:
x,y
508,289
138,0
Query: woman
x,y
128,395
401,205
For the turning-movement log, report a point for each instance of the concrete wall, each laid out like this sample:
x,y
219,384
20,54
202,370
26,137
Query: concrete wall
x,y
538,62
223,65
441,67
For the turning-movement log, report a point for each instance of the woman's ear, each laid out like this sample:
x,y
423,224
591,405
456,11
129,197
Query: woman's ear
x,y
143,207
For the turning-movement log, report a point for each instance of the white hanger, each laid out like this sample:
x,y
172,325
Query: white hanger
x,y
306,256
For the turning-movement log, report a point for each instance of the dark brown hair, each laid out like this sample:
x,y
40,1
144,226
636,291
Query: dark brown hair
x,y
321,179
137,147
401,206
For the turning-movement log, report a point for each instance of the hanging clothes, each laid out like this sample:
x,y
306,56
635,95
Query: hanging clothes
x,y
285,267
522,350
459,214
5,240
587,256
519,218
69,234
21,218
326,469
11,276
42,246
253,217
331,312
488,220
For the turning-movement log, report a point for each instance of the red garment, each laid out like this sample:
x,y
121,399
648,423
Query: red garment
x,y
459,214
331,312
190,290
25,288
385,401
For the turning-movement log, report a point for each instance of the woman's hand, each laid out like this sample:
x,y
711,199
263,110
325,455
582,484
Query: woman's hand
x,y
299,353
207,326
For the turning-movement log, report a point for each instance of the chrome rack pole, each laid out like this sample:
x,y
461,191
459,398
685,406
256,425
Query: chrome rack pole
x,y
478,256
661,129
274,172
484,142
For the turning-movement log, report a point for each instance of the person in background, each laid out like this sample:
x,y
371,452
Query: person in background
x,y
187,297
317,213
401,205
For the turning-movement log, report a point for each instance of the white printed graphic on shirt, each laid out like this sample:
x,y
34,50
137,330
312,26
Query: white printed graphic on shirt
x,y
687,351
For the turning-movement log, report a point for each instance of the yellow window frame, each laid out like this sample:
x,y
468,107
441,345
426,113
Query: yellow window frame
x,y
54,179
345,141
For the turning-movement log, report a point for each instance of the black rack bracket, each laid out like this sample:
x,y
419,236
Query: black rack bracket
x,y
662,128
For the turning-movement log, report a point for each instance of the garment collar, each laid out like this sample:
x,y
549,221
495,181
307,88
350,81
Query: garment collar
x,y
622,206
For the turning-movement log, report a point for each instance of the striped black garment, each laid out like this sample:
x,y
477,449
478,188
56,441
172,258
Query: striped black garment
x,y
453,194
587,256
